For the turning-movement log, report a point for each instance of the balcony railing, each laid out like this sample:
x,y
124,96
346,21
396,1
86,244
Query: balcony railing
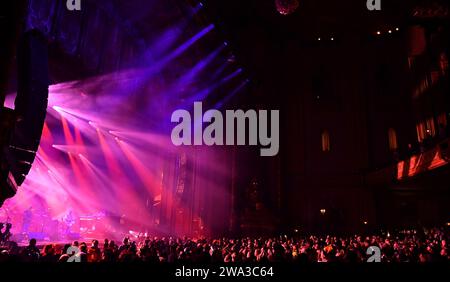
x,y
425,161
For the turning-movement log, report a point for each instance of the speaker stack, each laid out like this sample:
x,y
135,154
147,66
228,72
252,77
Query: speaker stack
x,y
23,126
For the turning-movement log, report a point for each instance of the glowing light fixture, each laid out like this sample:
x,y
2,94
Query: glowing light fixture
x,y
286,7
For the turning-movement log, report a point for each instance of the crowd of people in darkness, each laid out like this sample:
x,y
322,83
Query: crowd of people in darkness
x,y
405,246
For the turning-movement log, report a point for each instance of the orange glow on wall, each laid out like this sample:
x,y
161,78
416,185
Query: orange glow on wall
x,y
430,127
325,141
413,162
437,161
425,128
400,167
392,139
420,128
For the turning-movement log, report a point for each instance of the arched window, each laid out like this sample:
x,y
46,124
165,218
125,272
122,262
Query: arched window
x,y
325,141
392,139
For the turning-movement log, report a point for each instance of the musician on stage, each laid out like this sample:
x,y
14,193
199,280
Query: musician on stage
x,y
69,221
26,221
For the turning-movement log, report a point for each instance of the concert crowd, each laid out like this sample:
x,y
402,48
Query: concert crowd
x,y
405,246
